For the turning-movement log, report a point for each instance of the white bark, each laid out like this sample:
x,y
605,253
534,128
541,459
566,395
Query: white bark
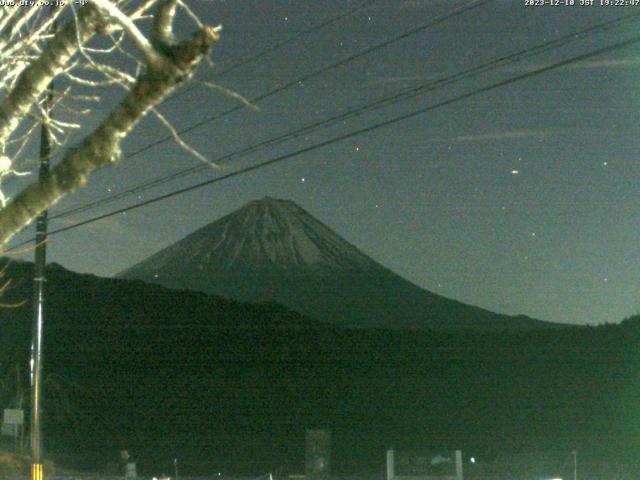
x,y
167,65
35,78
113,12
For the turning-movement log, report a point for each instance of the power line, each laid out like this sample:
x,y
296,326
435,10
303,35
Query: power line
x,y
440,19
383,102
278,45
293,38
339,138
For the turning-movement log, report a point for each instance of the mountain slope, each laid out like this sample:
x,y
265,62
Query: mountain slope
x,y
273,249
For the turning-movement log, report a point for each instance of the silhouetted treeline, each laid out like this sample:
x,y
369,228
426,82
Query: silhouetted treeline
x,y
230,387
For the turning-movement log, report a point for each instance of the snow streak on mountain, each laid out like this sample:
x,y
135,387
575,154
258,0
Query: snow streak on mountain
x,y
264,235
274,250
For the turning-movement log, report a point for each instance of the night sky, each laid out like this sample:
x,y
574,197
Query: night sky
x,y
520,200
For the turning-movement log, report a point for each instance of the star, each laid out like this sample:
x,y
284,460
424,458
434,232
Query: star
x,y
303,179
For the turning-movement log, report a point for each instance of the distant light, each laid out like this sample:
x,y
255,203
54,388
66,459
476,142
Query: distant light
x,y
515,172
473,459
303,179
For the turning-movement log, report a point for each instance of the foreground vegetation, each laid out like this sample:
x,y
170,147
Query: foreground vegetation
x,y
230,387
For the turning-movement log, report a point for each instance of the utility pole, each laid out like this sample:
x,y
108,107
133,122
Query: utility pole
x,y
575,464
39,280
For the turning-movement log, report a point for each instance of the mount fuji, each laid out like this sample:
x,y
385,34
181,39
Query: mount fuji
x,y
273,250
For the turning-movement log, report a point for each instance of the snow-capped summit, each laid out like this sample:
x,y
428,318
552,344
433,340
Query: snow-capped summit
x,y
269,234
265,235
273,249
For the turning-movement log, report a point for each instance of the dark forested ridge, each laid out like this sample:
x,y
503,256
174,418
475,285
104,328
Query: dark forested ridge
x,y
231,386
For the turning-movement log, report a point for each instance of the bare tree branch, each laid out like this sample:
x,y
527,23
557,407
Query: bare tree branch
x,y
162,30
113,12
102,147
184,145
34,79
